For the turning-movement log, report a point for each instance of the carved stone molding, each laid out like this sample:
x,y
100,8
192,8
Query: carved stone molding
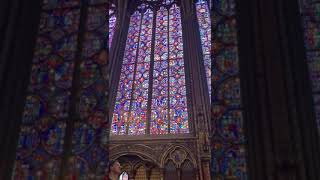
x,y
143,151
156,152
179,155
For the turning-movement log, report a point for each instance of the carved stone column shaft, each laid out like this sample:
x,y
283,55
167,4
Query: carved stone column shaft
x,y
117,50
279,122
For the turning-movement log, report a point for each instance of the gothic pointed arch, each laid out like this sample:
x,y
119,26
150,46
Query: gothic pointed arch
x,y
151,95
178,154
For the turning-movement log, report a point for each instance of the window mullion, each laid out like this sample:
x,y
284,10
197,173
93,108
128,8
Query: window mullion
x,y
73,114
150,88
209,5
134,77
168,70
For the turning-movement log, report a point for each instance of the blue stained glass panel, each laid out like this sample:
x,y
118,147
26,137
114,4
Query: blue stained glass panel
x,y
89,148
52,4
112,23
168,98
41,139
203,15
228,142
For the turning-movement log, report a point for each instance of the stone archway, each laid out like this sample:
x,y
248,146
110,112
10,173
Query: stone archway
x,y
153,158
139,168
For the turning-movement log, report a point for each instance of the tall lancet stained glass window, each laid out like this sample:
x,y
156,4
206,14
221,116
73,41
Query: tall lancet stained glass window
x,y
50,106
204,21
228,141
151,97
43,128
112,22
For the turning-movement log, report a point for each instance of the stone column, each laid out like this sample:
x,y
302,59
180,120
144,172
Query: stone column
x,y
197,86
179,173
162,171
196,173
206,169
148,173
117,50
195,71
279,120
132,174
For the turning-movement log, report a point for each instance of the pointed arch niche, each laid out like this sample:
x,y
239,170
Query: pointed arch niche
x,y
151,95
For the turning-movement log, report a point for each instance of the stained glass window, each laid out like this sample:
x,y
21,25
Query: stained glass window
x,y
53,4
165,91
132,93
42,133
112,22
204,21
47,113
228,142
311,22
169,91
89,148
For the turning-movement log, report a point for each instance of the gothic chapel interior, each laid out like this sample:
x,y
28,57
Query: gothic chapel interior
x,y
172,89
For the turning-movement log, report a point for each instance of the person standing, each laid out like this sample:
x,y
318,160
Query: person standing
x,y
114,171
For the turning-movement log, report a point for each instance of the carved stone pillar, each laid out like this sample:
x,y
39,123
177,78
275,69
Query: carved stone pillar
x,y
198,87
280,123
148,173
161,173
132,174
119,32
117,50
196,173
179,173
199,96
206,169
